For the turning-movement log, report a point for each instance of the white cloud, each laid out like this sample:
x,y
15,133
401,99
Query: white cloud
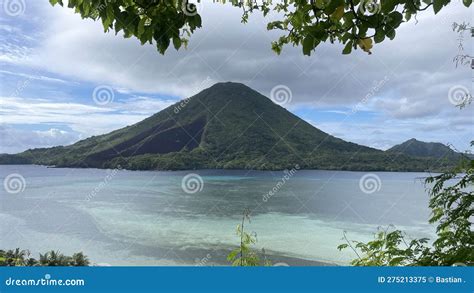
x,y
15,140
83,120
224,49
36,77
418,65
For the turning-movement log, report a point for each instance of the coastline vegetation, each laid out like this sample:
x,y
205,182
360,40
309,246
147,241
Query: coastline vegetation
x,y
22,258
451,202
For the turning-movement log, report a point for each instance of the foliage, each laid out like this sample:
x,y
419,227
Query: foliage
x,y
452,206
18,257
463,58
386,250
354,23
451,202
244,255
159,22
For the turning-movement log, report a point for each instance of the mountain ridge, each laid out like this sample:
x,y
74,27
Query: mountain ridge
x,y
226,126
417,148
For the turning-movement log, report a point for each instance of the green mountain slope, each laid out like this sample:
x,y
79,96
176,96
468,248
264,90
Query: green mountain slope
x,y
418,148
229,126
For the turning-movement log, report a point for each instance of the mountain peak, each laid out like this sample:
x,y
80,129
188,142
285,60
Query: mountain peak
x,y
228,126
232,95
229,86
417,148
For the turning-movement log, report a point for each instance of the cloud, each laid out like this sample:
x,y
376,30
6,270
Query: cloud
x,y
416,68
83,120
36,77
224,49
15,140
404,108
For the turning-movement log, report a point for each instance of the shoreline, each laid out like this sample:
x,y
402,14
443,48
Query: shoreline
x,y
224,169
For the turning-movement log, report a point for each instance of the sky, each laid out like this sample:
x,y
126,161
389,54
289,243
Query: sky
x,y
63,79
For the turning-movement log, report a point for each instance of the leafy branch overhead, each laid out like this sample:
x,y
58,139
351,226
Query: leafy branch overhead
x,y
354,23
152,21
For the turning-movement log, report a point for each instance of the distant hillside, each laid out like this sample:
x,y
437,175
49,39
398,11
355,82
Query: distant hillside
x,y
228,126
418,148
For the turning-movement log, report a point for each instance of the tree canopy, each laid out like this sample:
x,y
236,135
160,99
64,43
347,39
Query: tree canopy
x,y
354,23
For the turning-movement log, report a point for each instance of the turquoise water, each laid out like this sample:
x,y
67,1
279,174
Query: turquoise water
x,y
120,217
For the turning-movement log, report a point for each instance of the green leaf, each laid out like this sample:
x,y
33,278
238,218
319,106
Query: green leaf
x,y
396,18
176,42
308,45
467,3
332,5
379,36
338,13
390,34
389,5
347,48
342,246
110,13
437,5
407,16
141,26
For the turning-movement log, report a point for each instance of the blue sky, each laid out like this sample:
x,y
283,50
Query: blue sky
x,y
52,62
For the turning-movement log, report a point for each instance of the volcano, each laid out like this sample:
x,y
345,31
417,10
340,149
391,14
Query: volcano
x,y
226,126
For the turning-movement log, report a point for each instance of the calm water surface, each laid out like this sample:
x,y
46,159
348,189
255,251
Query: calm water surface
x,y
145,218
